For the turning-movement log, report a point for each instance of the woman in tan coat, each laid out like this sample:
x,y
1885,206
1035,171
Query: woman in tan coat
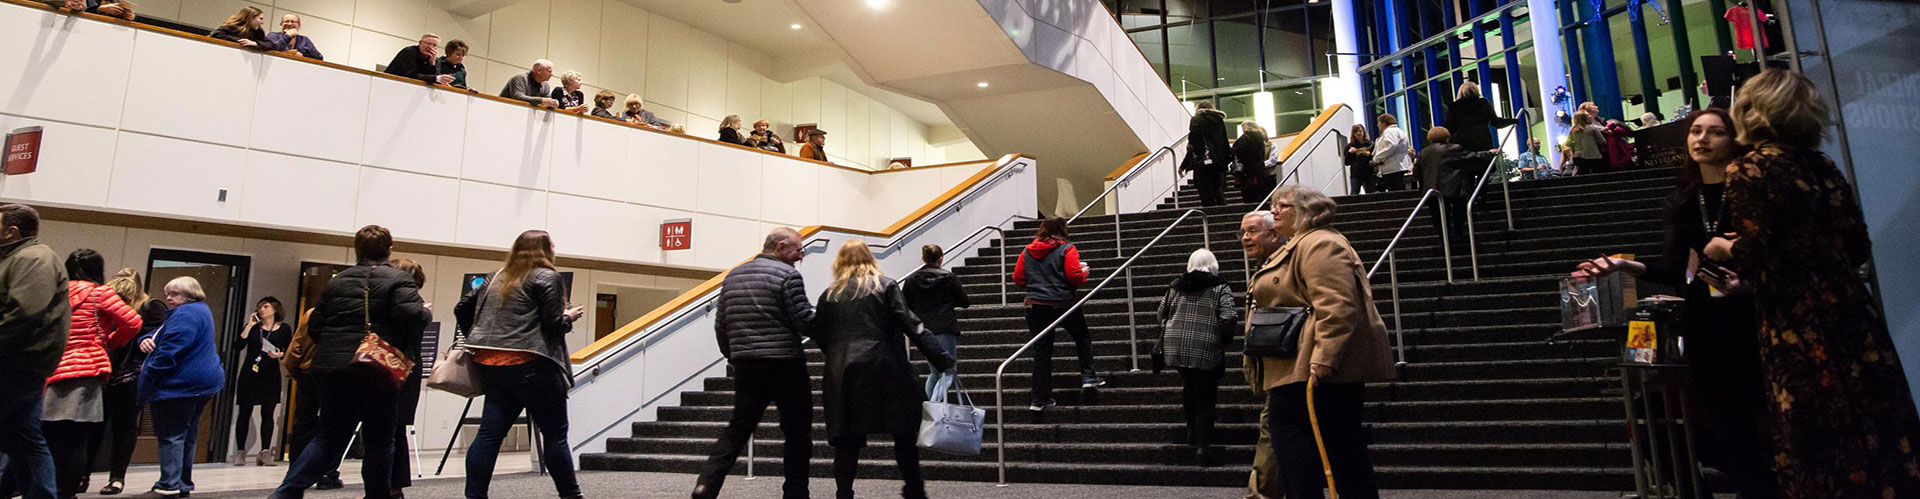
x,y
1343,345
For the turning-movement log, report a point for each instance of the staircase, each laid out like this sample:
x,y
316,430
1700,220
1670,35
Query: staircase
x,y
1484,403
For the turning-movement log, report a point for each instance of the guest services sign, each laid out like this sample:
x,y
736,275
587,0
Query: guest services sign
x,y
676,234
23,150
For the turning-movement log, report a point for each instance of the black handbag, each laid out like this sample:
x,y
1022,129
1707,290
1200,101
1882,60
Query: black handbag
x,y
1274,332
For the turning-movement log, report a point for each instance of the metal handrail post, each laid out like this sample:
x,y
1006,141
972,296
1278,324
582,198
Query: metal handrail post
x,y
1133,326
1393,269
1399,332
1128,177
1473,244
752,441
1046,334
1446,243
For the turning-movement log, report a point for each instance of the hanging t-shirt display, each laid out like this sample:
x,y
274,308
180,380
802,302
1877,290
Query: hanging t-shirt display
x,y
1742,20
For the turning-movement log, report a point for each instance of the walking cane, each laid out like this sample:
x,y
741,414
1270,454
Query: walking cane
x,y
1313,418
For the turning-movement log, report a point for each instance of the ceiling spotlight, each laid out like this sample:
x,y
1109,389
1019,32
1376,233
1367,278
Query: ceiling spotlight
x,y
878,4
981,84
794,25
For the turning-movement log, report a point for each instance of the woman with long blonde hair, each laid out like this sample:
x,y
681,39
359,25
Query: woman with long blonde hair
x,y
122,408
247,28
863,325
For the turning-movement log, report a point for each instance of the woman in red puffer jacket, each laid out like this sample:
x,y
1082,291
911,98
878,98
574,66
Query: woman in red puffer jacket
x,y
74,405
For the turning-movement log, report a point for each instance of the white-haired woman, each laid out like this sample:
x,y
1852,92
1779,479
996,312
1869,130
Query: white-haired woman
x,y
181,373
569,95
1472,119
1343,345
863,324
1196,318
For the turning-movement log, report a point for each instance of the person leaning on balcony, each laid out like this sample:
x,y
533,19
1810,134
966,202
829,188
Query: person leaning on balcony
x,y
603,105
247,28
531,87
730,130
417,62
762,137
289,38
454,63
816,146
569,95
116,9
638,114
1343,345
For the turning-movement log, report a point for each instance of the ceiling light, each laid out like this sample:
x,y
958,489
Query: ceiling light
x,y
878,4
981,84
794,25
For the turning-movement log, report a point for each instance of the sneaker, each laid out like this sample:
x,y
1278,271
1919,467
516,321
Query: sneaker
x,y
328,482
1092,382
1042,405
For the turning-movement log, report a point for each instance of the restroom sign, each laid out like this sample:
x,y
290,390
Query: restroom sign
x,y
23,150
676,234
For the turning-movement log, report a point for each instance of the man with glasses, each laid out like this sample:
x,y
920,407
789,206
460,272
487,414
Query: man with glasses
x,y
1260,239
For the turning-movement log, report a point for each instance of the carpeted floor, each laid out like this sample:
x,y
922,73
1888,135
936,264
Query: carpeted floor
x,y
663,485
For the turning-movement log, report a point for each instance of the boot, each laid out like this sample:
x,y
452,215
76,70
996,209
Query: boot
x,y
265,458
240,458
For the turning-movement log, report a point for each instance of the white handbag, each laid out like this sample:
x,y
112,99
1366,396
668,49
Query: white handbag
x,y
454,374
952,428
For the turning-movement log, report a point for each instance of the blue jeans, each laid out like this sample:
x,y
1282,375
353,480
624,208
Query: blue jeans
x,y
20,436
175,423
540,388
939,381
347,400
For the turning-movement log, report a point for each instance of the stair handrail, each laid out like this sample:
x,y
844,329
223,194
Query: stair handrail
x,y
1294,174
1128,177
1473,247
1393,268
1133,341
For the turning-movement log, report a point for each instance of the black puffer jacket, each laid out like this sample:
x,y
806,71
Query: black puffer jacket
x,y
763,308
398,314
933,293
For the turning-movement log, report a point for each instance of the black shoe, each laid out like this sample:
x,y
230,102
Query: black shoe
x,y
702,491
1205,457
114,486
328,482
1042,405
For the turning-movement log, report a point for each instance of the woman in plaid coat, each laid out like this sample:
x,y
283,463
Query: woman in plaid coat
x,y
1197,316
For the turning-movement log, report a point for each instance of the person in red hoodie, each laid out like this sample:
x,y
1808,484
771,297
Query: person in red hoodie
x,y
75,402
1051,270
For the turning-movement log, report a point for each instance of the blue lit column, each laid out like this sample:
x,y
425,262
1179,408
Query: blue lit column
x,y
1551,62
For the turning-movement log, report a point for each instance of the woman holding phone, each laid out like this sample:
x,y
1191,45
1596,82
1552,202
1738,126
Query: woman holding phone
x,y
259,348
1722,342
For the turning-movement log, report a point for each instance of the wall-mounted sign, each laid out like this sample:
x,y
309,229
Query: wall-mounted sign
x,y
800,132
23,150
676,234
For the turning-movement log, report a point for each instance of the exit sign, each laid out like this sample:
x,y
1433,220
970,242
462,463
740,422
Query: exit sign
x,y
676,234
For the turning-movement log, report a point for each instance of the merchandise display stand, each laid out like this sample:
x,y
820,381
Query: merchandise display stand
x,y
1660,431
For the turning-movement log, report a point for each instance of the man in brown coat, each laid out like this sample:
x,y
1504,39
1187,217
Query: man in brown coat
x,y
1343,345
1261,241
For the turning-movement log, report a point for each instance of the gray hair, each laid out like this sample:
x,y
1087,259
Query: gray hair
x,y
542,63
571,75
1312,209
1468,89
1266,218
1204,261
188,287
776,237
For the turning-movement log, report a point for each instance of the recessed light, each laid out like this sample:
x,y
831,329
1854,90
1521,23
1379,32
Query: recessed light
x,y
981,84
878,4
794,25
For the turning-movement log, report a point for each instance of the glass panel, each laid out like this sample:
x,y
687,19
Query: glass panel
x,y
1234,43
1151,45
1186,10
1286,45
1231,7
1320,16
1139,13
1192,57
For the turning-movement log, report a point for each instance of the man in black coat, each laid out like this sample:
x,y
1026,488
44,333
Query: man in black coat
x,y
1207,152
762,311
417,62
1453,170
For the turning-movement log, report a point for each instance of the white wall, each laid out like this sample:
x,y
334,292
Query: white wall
x,y
686,75
275,271
143,122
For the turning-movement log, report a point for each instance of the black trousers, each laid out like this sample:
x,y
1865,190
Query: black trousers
x,y
1338,406
1038,317
906,457
121,432
1456,214
1254,188
347,399
1200,403
756,383
1364,180
266,426
67,440
1209,182
1396,181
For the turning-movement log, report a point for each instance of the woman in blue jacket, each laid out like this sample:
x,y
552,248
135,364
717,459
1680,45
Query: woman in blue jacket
x,y
181,373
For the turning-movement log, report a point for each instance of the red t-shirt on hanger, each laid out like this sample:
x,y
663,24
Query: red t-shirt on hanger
x,y
1742,21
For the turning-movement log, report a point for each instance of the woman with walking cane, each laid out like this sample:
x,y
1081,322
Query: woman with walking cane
x,y
1319,340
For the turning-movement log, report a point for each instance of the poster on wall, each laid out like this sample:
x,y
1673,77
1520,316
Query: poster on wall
x,y
23,150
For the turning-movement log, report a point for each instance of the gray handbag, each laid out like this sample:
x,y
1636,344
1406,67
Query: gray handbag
x,y
952,428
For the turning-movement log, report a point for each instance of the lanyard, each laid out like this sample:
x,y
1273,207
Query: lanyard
x,y
1711,223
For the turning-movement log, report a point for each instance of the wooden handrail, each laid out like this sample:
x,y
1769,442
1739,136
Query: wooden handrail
x,y
691,295
1125,166
295,56
1312,129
